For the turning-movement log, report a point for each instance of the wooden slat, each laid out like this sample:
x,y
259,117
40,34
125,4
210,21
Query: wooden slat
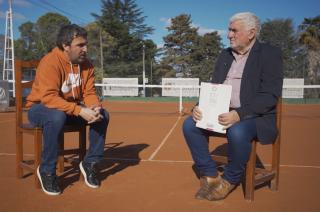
x,y
25,85
220,159
26,166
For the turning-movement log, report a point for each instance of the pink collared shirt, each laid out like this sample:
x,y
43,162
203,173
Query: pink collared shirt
x,y
234,77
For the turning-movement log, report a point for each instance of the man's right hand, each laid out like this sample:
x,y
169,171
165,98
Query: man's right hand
x,y
90,115
196,114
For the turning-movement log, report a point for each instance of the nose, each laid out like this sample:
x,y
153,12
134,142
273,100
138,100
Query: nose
x,y
85,48
230,34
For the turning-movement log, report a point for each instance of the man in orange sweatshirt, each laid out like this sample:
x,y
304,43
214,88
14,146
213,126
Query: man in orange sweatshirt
x,y
64,93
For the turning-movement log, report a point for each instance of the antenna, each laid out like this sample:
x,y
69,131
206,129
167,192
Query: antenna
x,y
8,61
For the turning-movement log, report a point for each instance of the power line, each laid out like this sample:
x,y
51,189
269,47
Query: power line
x,y
63,11
46,5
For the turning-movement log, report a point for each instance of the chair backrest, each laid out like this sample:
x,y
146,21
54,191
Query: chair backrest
x,y
20,85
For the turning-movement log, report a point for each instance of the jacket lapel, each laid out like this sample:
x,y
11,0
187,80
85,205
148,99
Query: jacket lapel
x,y
252,59
226,64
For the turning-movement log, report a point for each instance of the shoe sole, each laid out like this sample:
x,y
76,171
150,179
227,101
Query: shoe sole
x,y
85,177
43,189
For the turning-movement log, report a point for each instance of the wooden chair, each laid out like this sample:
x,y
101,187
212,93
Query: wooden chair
x,y
25,127
255,176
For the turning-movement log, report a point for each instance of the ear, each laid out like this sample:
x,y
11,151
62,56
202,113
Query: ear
x,y
66,47
252,33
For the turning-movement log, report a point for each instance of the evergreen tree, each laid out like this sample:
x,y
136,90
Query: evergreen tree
x,y
37,39
187,53
280,33
204,55
124,21
310,38
179,43
47,28
26,46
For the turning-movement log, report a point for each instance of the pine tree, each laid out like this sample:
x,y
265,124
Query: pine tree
x,y
280,33
178,44
188,53
124,21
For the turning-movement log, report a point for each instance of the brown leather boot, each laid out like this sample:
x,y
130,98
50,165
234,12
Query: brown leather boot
x,y
221,191
206,187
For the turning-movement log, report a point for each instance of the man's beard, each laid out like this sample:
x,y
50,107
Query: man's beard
x,y
79,60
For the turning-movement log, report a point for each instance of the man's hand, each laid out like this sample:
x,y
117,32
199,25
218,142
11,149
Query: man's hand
x,y
97,109
228,119
91,114
196,114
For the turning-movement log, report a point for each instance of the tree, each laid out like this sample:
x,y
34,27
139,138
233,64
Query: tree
x,y
310,33
123,18
178,44
100,43
26,45
39,38
124,22
280,33
134,19
188,53
310,39
204,54
47,28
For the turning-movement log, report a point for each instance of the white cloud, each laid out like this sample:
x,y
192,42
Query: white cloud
x,y
160,45
203,30
167,21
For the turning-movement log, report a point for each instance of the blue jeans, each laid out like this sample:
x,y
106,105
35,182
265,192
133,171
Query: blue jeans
x,y
239,136
52,121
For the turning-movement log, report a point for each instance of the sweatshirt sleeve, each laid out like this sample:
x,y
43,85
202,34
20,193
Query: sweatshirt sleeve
x,y
90,97
49,80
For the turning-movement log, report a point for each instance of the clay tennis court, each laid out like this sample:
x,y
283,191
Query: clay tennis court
x,y
148,167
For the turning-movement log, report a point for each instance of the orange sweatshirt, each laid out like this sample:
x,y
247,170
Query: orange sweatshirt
x,y
64,86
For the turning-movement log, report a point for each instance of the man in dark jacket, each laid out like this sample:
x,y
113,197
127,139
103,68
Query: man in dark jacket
x,y
254,70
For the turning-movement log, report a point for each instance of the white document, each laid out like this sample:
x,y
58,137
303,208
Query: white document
x,y
214,100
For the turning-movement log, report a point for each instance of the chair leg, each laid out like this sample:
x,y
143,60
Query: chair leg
x,y
250,172
82,146
19,154
82,143
37,155
274,184
61,155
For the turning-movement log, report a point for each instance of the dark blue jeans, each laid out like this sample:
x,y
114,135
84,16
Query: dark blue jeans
x,y
52,122
239,137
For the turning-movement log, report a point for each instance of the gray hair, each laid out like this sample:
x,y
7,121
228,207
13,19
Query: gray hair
x,y
249,19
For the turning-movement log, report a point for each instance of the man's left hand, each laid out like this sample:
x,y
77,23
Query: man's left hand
x,y
98,116
228,119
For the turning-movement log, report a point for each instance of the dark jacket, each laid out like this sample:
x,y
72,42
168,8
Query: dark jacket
x,y
261,86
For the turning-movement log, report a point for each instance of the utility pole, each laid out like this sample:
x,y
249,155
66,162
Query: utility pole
x,y
151,71
151,76
101,52
144,71
8,59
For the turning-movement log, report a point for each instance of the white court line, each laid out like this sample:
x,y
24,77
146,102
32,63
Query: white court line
x,y
164,140
14,154
172,161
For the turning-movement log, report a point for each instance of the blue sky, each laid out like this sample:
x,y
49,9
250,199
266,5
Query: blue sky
x,y
208,15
